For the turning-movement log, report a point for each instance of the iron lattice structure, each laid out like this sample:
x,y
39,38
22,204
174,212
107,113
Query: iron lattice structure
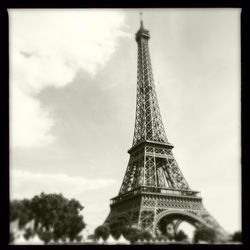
x,y
154,192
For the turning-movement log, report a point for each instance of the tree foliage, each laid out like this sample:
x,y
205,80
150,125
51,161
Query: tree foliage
x,y
180,236
204,234
236,237
135,234
102,231
118,228
55,217
145,235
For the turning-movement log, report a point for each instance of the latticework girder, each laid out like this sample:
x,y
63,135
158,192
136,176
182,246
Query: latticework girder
x,y
153,166
148,122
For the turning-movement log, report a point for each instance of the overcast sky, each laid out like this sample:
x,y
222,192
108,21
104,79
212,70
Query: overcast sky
x,y
73,95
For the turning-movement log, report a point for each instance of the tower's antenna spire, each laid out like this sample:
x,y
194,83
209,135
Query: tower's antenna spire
x,y
141,19
141,16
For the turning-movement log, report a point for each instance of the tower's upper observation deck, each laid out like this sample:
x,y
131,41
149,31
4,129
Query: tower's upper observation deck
x,y
142,33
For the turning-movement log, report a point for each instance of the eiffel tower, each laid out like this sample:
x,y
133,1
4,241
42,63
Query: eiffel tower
x,y
154,194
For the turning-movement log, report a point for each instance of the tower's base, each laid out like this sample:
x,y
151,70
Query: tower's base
x,y
154,211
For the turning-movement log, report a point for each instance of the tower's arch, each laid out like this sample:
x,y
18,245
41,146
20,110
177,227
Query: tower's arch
x,y
176,217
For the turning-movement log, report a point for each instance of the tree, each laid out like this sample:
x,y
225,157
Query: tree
x,y
102,231
134,234
145,235
180,236
55,217
204,234
120,227
117,228
20,210
236,237
11,237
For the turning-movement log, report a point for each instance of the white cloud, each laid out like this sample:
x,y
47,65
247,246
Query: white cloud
x,y
30,124
47,48
25,184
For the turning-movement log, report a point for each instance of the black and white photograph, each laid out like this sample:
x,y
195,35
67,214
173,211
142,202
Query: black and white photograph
x,y
125,126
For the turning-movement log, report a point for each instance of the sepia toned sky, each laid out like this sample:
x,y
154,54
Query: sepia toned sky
x,y
72,102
